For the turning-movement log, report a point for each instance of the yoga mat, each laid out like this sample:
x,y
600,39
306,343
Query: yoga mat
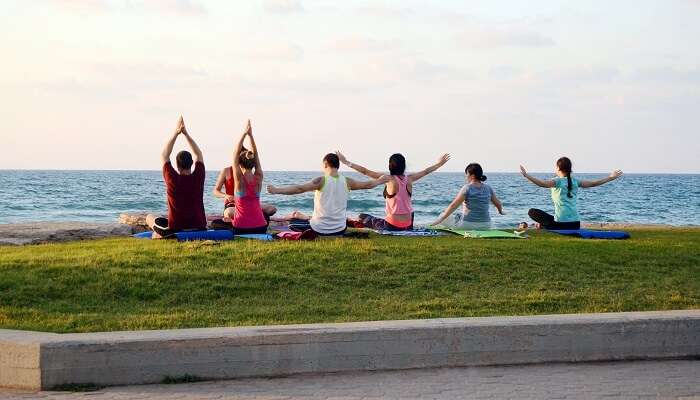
x,y
589,234
415,232
256,236
479,234
194,235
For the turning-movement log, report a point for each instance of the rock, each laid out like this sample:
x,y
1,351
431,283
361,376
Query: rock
x,y
46,232
134,219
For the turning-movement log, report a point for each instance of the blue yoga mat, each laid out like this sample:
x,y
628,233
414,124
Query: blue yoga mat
x,y
256,236
589,234
194,235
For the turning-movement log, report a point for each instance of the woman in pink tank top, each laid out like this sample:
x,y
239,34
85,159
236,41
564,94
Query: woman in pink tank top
x,y
247,183
397,192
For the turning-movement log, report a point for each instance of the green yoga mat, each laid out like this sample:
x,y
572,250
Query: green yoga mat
x,y
478,234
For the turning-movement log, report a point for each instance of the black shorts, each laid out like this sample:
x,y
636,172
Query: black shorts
x,y
161,227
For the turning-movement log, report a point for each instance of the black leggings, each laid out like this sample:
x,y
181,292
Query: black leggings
x,y
547,220
247,231
381,224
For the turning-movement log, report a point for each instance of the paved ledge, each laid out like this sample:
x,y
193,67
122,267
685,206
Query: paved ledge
x,y
35,361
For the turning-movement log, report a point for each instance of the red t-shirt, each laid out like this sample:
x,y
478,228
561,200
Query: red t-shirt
x,y
185,197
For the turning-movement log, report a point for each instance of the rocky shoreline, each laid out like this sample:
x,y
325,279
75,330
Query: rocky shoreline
x,y
128,224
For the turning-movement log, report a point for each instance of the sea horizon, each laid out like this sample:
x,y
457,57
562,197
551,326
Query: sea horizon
x,y
101,195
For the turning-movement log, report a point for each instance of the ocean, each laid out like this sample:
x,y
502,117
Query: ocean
x,y
100,196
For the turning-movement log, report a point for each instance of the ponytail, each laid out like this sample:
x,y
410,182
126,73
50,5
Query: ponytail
x,y
564,165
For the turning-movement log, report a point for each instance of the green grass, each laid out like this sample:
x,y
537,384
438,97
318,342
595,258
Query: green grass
x,y
129,284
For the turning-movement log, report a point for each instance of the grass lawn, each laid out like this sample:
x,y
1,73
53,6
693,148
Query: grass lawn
x,y
129,284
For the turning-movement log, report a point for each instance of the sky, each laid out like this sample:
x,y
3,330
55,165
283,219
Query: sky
x,y
99,84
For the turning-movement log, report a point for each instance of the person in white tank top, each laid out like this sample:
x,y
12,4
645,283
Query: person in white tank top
x,y
330,197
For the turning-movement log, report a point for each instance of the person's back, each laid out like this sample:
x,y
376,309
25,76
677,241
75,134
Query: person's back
x,y
565,207
249,213
330,205
398,207
477,198
185,197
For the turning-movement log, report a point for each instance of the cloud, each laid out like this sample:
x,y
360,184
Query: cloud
x,y
488,39
360,44
178,7
668,75
171,7
82,6
385,11
279,51
282,6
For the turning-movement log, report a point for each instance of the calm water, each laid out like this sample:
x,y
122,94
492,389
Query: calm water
x,y
103,195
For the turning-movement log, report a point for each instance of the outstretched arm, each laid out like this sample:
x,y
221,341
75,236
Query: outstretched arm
x,y
613,175
359,185
418,175
314,184
459,199
168,149
198,156
359,168
539,182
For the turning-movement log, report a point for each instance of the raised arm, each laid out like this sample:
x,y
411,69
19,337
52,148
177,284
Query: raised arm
x,y
359,168
420,174
458,200
198,156
258,166
359,185
237,152
314,184
539,182
613,175
168,149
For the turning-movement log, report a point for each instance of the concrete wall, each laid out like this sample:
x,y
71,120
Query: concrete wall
x,y
148,356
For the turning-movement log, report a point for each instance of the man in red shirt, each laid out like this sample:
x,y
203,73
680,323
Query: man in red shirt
x,y
185,189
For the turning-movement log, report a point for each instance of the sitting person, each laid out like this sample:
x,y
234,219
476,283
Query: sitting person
x,y
225,181
474,197
184,187
330,197
247,172
399,209
564,190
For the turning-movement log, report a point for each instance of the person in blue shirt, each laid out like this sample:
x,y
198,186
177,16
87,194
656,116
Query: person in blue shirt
x,y
475,198
564,189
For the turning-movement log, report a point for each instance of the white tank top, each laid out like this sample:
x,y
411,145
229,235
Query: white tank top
x,y
330,205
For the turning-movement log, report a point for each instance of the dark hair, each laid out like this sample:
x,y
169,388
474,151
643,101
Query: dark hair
x,y
184,160
564,165
397,164
332,160
475,170
247,159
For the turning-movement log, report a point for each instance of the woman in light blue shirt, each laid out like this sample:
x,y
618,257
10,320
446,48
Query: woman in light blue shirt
x,y
475,198
564,195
